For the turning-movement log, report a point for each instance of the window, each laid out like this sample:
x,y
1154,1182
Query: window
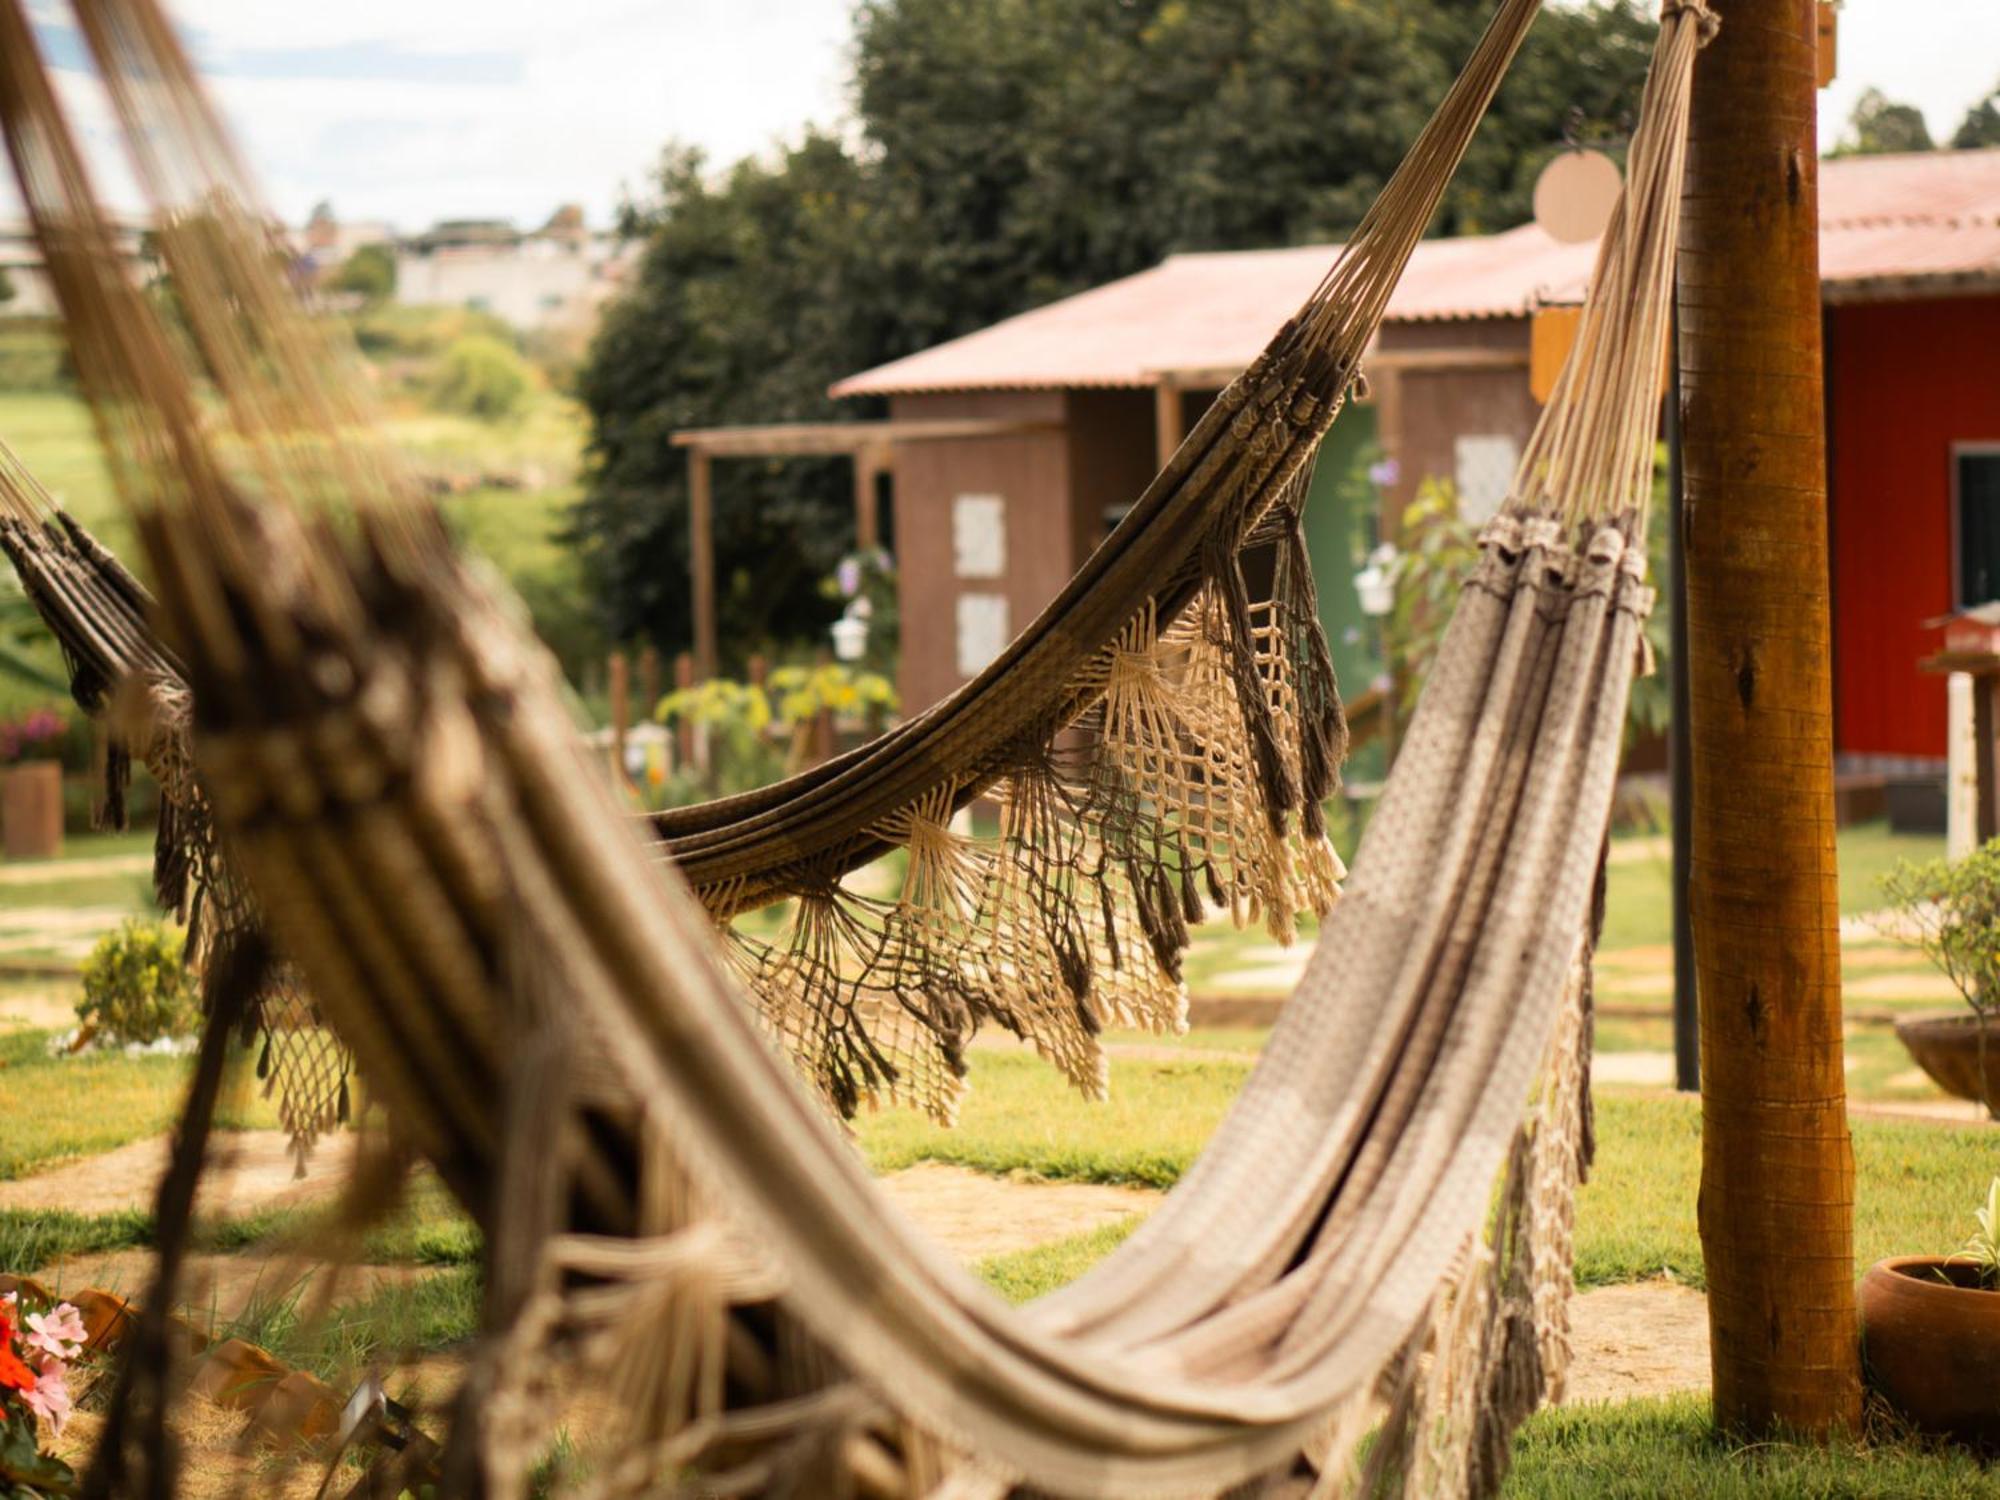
x,y
979,536
982,630
1975,490
1483,468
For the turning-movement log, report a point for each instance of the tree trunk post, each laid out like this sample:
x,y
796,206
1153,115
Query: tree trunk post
x,y
1777,1181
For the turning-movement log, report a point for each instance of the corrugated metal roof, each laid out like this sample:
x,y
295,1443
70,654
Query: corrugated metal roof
x,y
1884,219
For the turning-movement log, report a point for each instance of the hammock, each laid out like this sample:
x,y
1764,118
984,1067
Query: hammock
x,y
100,616
1171,753
547,1012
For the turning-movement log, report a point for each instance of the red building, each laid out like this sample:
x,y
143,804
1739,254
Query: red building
x,y
1095,387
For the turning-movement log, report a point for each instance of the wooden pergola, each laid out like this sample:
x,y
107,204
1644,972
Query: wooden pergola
x,y
870,444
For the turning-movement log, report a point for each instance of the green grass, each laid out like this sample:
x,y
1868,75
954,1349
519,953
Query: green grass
x,y
1667,1449
1026,1274
1915,1186
52,1109
431,1312
1020,1117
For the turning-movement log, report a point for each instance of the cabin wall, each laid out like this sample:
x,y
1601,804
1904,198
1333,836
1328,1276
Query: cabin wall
x,y
1905,381
955,607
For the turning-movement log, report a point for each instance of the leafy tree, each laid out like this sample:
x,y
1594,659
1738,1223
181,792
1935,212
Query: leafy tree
x,y
1880,124
6,287
1010,152
754,292
369,271
1981,125
481,377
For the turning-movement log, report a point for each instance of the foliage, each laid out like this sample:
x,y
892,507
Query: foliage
x,y
394,330
1951,910
754,291
481,377
135,987
758,733
1981,125
1880,124
1983,1248
36,1348
1437,552
36,735
863,584
1008,152
6,287
370,273
33,356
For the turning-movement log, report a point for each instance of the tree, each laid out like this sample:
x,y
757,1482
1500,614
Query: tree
x,y
6,287
1880,124
754,292
1981,125
1010,152
1776,1208
370,271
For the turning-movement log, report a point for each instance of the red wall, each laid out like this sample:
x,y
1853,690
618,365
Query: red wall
x,y
1905,380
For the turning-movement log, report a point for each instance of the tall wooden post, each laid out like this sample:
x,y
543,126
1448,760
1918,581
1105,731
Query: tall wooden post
x,y
701,560
1777,1163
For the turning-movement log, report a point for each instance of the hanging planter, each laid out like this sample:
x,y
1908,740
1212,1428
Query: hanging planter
x,y
1961,1054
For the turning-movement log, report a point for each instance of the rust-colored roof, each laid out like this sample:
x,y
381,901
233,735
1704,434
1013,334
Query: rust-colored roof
x,y
1886,222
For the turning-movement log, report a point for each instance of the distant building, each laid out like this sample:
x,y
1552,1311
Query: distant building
x,y
21,259
1103,384
554,277
326,242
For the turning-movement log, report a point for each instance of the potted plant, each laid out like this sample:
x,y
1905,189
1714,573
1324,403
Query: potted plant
x,y
31,810
1951,910
1930,1334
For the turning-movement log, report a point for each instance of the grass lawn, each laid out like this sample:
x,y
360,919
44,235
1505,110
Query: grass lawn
x,y
52,1109
1638,901
1667,1450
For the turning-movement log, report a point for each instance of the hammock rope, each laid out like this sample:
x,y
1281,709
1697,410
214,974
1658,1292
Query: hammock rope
x,y
123,677
551,1015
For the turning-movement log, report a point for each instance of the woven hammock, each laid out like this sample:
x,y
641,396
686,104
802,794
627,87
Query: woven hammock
x,y
547,1010
100,615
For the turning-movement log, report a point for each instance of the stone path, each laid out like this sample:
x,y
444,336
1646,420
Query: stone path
x,y
38,871
250,1170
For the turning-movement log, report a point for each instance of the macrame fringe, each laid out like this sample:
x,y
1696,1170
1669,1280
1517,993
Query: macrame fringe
x,y
1191,785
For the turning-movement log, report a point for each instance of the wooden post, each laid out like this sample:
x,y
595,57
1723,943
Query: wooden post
x,y
1168,428
1777,1181
867,528
649,681
684,739
620,677
701,560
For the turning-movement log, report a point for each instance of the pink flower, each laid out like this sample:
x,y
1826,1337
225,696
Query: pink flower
x,y
58,1333
50,1398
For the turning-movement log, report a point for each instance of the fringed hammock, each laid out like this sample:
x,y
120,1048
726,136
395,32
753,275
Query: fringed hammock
x,y
101,617
547,1013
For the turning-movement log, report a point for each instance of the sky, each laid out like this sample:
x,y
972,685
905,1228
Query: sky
x,y
418,110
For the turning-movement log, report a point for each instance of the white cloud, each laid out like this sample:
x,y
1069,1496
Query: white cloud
x,y
415,110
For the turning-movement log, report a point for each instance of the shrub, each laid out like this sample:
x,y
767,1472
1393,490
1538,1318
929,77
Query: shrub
x,y
135,987
33,356
481,377
1951,911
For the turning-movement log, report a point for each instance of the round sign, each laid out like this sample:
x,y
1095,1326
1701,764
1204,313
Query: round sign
x,y
1575,196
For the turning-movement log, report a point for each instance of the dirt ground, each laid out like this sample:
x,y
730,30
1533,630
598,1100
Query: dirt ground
x,y
974,1216
1646,1339
248,1170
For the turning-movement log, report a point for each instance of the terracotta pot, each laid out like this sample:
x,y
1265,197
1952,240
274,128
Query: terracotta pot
x,y
1948,1048
1930,1342
31,811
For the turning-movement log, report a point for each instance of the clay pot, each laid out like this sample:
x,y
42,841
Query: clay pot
x,y
31,812
1930,1343
1948,1048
